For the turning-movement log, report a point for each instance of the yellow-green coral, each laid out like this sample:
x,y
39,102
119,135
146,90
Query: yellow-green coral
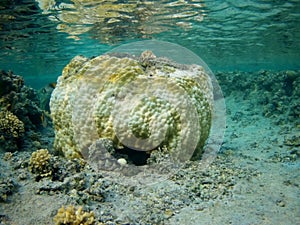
x,y
39,163
72,216
10,125
142,103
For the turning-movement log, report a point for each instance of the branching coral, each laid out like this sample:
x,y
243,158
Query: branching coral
x,y
40,163
10,125
71,216
11,131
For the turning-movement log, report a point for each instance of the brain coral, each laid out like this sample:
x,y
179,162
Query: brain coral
x,y
142,103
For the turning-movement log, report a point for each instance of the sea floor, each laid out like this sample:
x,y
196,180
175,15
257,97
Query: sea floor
x,y
255,178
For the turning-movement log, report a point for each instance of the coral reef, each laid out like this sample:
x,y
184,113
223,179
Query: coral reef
x,y
255,154
138,103
11,131
276,98
7,187
71,216
40,163
20,105
20,100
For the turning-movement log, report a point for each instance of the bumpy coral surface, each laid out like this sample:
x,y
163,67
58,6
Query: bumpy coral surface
x,y
70,216
143,103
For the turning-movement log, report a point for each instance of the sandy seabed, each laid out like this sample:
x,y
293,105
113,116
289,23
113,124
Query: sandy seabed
x,y
255,179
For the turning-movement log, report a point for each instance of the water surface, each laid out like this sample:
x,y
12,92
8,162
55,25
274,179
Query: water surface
x,y
38,38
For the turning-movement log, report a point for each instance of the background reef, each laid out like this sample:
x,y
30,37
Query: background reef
x,y
23,117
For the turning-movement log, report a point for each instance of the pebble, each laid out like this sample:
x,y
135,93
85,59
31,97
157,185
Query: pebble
x,y
122,161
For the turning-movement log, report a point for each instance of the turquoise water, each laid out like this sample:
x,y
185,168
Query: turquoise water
x,y
38,38
249,172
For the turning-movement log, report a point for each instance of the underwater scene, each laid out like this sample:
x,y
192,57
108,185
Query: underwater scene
x,y
169,112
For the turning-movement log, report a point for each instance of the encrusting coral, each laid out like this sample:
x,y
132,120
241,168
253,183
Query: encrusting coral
x,y
40,163
71,216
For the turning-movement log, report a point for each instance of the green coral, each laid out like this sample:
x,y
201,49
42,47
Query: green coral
x,y
123,97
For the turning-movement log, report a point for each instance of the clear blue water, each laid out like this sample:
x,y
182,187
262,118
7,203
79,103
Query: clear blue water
x,y
38,38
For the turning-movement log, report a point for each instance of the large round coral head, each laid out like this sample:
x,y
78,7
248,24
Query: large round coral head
x,y
151,105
